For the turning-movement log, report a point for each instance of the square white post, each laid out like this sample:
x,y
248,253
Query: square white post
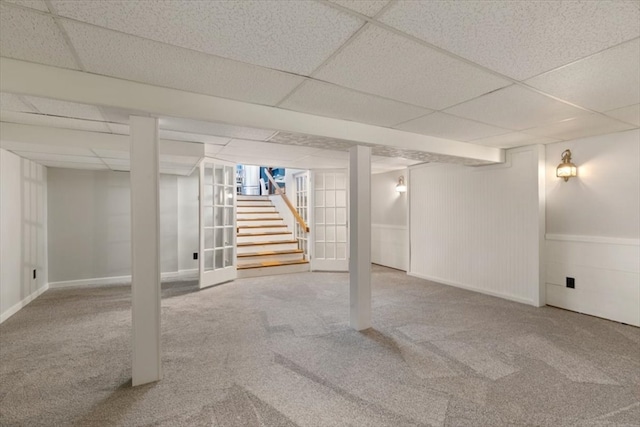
x,y
145,251
360,237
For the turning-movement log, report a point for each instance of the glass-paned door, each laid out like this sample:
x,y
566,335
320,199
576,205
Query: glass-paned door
x,y
330,236
301,200
217,222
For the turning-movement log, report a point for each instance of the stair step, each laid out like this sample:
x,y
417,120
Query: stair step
x,y
258,229
257,222
253,203
255,209
243,216
271,264
263,237
253,257
278,245
252,197
273,270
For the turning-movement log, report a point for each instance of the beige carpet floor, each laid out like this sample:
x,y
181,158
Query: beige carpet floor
x,y
278,351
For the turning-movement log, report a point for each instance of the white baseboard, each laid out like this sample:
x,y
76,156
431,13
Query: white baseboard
x,y
473,288
121,280
18,306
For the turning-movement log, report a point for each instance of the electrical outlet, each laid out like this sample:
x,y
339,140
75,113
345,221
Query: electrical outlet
x,y
571,282
34,273
195,255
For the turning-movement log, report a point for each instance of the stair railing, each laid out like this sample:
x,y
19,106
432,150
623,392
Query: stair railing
x,y
294,211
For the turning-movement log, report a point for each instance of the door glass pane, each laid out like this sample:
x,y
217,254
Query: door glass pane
x,y
230,176
330,216
208,216
320,233
208,174
228,196
341,215
228,257
319,250
219,174
330,181
319,215
208,260
330,198
341,250
330,251
208,195
341,198
208,238
228,217
219,237
341,181
218,216
218,195
228,236
219,258
341,233
330,234
319,198
319,181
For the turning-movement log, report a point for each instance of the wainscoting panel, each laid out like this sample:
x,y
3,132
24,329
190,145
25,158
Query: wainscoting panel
x,y
390,246
606,273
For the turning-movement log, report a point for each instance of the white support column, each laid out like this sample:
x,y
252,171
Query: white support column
x,y
145,250
360,237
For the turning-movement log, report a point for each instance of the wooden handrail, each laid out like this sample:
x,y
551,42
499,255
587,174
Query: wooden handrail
x,y
293,210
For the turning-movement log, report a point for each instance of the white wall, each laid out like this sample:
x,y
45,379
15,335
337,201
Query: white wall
x,y
389,238
593,227
481,228
23,232
90,225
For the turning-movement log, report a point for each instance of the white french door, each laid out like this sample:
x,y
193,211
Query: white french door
x,y
302,206
329,232
217,222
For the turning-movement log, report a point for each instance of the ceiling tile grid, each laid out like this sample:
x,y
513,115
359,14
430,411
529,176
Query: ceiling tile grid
x,y
580,127
11,102
519,39
54,107
513,139
334,101
32,4
451,127
132,58
602,82
365,7
294,36
53,121
381,62
32,36
515,108
629,114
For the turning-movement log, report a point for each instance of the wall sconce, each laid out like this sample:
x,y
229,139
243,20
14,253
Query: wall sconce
x,y
566,169
401,187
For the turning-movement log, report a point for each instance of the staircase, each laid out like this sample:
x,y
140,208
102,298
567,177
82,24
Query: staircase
x,y
265,244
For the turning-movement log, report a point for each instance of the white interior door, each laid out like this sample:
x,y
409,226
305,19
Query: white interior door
x,y
329,230
301,200
217,222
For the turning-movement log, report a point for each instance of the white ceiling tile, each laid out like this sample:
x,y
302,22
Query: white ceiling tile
x,y
513,139
334,101
132,58
580,127
116,163
33,4
383,63
630,114
518,38
295,36
32,36
111,154
55,107
216,129
365,7
193,137
118,128
450,127
515,108
11,102
72,165
59,157
602,82
269,150
56,122
45,148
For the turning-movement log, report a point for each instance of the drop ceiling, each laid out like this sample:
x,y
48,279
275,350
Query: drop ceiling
x,y
499,74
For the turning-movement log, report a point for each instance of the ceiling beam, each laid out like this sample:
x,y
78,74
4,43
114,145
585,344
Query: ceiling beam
x,y
28,78
56,137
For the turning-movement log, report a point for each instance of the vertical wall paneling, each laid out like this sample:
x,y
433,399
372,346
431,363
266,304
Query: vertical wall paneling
x,y
479,227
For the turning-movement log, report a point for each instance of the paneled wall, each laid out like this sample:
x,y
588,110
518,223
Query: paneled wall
x,y
481,228
23,232
90,233
389,238
593,227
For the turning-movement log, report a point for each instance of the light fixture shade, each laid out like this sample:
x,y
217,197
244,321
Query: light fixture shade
x,y
566,169
401,187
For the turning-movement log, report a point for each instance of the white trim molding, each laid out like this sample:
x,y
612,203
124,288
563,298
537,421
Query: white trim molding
x,y
18,306
593,239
